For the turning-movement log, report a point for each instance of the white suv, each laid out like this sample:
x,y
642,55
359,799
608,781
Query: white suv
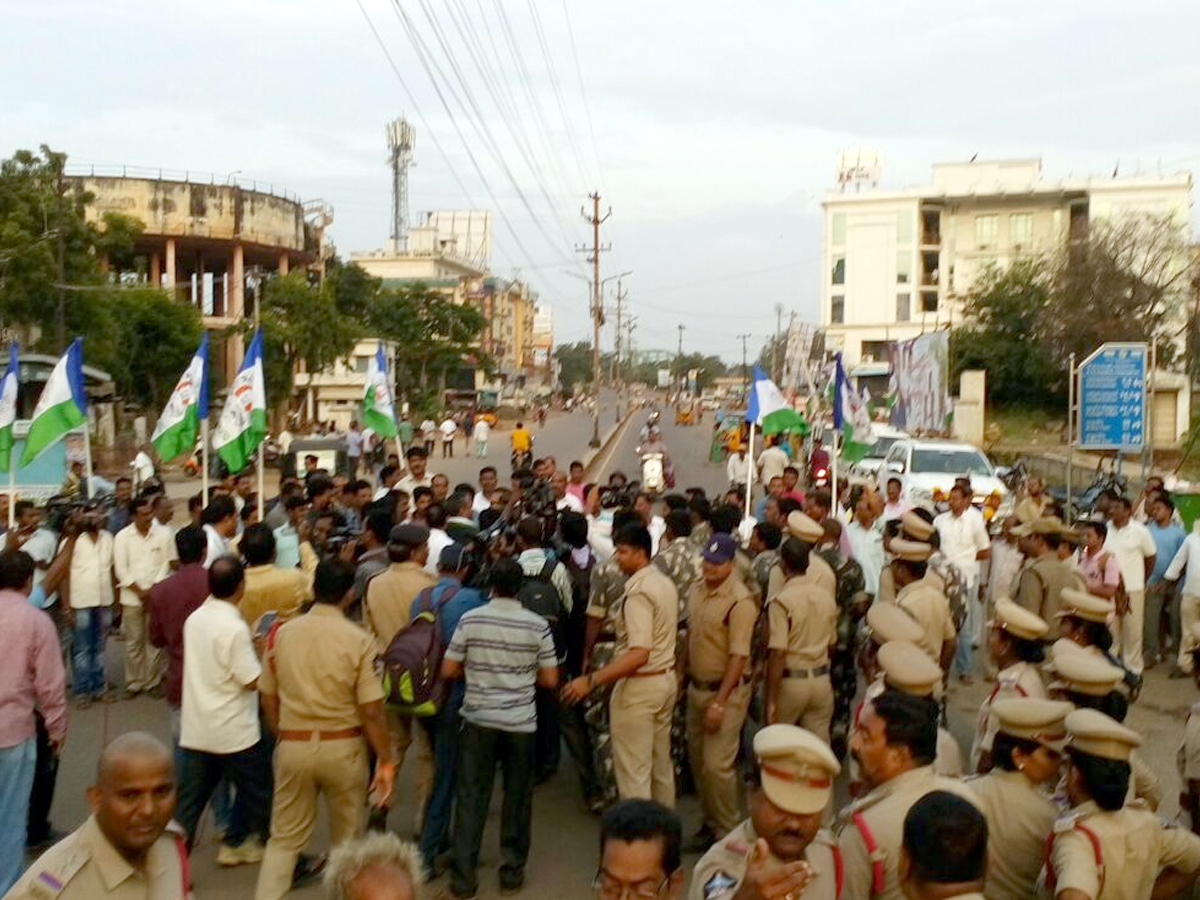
x,y
927,469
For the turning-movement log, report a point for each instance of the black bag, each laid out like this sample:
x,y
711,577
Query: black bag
x,y
539,595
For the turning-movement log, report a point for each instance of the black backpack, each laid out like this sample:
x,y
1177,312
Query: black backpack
x,y
539,595
412,663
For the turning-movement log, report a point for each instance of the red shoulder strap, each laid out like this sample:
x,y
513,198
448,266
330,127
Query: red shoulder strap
x,y
270,656
839,871
184,865
1097,852
878,871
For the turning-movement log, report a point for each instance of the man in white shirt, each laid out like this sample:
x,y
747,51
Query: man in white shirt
x,y
91,598
389,477
219,733
1187,557
965,542
140,560
418,471
896,505
643,505
483,497
562,499
1131,543
428,434
482,432
738,468
221,523
354,448
448,428
771,462
866,543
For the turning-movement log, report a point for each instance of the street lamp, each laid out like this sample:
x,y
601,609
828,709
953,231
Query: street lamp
x,y
597,314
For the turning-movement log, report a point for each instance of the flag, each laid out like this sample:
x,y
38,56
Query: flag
x,y
767,408
378,406
850,417
8,406
179,423
243,422
62,406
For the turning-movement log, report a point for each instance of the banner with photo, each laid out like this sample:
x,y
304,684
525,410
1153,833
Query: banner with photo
x,y
795,360
920,383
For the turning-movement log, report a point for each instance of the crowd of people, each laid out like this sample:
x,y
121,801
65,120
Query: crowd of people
x,y
671,644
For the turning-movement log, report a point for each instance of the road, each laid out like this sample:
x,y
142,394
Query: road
x,y
563,858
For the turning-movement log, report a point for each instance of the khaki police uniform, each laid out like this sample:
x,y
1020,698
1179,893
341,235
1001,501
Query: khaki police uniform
x,y
1119,854
1019,813
1041,583
871,831
932,612
604,603
820,574
322,668
386,606
641,705
796,769
86,866
802,622
721,625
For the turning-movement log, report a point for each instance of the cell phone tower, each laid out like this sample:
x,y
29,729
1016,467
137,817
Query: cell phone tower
x,y
401,139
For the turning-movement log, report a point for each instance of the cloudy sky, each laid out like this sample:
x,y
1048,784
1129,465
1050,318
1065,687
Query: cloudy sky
x,y
710,128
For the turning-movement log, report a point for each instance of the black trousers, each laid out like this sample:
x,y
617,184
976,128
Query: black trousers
x,y
548,750
249,771
479,751
45,775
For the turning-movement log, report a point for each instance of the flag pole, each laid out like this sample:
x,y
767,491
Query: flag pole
x,y
833,482
750,471
87,458
204,460
12,490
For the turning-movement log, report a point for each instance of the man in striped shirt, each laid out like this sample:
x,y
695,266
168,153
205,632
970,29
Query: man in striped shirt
x,y
504,652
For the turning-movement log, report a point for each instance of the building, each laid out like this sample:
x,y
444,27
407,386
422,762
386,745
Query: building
x,y
208,242
336,392
544,363
897,263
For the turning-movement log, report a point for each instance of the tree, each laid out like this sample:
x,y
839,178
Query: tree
x,y
574,364
117,241
152,340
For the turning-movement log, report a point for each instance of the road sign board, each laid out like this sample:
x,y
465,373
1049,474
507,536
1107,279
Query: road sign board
x,y
1112,398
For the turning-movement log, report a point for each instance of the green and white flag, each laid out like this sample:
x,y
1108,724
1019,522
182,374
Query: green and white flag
x,y
61,408
8,406
175,433
243,422
379,406
850,417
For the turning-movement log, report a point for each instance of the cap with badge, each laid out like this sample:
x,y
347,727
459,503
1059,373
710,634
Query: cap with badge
x,y
411,534
1092,732
915,527
1032,719
1019,622
1040,525
805,527
1083,672
1082,605
908,669
910,551
797,768
889,622
721,548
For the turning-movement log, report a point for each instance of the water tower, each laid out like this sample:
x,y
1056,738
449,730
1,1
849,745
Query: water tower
x,y
401,139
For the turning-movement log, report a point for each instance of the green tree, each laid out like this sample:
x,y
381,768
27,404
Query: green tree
x,y
152,339
117,241
574,364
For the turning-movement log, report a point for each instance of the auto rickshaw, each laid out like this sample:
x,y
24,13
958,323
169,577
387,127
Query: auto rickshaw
x,y
330,453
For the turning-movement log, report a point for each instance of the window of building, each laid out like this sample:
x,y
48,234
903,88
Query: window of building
x,y
929,301
361,363
837,229
904,228
837,309
986,228
904,267
839,270
903,307
876,350
1020,229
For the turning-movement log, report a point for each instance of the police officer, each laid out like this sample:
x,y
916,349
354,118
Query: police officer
x,y
321,693
722,616
1105,848
781,850
808,530
1042,581
1015,796
919,598
1015,646
803,621
123,851
894,743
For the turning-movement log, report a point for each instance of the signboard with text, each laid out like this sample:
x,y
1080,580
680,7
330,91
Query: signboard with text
x,y
1112,398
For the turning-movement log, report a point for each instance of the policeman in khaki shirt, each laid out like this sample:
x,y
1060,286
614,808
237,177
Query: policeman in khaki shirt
x,y
643,670
722,615
1104,848
781,850
808,530
321,692
922,601
802,620
123,851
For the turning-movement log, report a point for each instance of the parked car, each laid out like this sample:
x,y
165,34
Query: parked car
x,y
927,469
884,437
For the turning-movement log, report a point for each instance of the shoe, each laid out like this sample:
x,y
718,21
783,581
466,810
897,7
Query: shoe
x,y
377,819
157,692
462,893
83,702
1177,673
701,841
511,882
108,695
248,852
129,694
966,679
308,869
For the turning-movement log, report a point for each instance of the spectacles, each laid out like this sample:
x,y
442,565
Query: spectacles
x,y
609,888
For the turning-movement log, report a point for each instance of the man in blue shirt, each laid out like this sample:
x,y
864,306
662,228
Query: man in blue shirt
x,y
450,600
1160,594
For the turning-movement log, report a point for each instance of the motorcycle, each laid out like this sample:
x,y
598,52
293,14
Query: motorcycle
x,y
521,459
654,473
818,477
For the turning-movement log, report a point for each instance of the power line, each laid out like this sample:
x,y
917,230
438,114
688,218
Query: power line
x,y
556,87
587,108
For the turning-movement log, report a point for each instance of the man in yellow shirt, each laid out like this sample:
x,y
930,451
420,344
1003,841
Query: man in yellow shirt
x,y
522,440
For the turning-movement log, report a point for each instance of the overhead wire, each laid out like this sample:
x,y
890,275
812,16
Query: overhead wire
x,y
552,71
587,107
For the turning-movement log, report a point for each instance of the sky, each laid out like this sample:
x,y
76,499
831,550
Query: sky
x,y
710,129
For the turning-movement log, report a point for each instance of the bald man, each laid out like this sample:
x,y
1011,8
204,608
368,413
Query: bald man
x,y
123,850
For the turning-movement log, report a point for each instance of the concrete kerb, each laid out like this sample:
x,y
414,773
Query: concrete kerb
x,y
603,453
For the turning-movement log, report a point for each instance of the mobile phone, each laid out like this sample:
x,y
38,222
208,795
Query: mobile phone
x,y
264,624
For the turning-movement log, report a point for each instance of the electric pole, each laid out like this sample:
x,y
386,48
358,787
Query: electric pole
x,y
618,378
595,220
745,369
679,380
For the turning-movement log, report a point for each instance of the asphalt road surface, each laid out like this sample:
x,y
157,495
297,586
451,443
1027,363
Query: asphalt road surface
x,y
564,855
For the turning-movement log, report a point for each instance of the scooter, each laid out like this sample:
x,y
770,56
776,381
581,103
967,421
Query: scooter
x,y
654,473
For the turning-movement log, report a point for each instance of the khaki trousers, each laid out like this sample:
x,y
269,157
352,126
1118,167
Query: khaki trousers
x,y
143,661
639,715
714,756
337,770
1189,615
807,702
404,732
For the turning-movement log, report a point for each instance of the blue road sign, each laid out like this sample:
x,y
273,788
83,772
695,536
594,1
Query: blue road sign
x,y
1112,398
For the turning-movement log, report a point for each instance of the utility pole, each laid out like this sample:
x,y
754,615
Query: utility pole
x,y
745,369
618,377
775,354
679,380
595,220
